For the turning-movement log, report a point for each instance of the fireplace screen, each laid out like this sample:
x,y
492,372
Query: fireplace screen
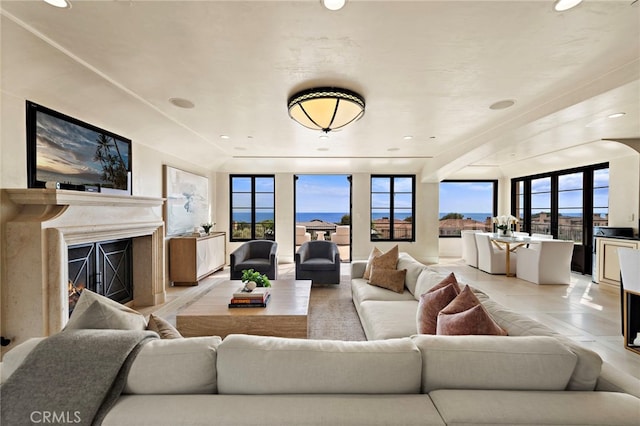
x,y
104,267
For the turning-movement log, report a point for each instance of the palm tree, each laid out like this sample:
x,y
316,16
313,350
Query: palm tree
x,y
114,169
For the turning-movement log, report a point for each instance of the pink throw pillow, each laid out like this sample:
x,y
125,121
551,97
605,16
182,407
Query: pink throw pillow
x,y
465,315
430,304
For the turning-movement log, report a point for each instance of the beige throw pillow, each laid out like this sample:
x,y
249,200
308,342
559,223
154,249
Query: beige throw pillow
x,y
98,312
465,315
367,270
164,328
391,279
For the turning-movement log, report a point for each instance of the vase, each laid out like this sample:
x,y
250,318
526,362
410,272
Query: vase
x,y
506,233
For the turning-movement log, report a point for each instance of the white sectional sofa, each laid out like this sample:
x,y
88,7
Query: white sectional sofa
x,y
419,380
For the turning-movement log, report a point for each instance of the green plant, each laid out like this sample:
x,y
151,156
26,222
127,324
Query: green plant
x,y
261,280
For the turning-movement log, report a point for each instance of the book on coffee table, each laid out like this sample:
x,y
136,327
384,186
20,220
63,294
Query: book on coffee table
x,y
249,303
256,293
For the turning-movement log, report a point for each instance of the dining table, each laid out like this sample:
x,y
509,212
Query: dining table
x,y
510,244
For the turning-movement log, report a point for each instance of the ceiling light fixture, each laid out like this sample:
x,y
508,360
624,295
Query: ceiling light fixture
x,y
563,5
616,115
502,104
63,4
182,103
334,4
326,108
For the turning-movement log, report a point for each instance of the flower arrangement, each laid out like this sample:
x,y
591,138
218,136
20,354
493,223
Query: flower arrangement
x,y
505,222
207,226
261,280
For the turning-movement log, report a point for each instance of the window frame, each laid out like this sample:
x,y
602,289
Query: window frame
x,y
392,193
253,208
494,201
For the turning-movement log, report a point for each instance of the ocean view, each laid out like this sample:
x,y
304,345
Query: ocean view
x,y
335,217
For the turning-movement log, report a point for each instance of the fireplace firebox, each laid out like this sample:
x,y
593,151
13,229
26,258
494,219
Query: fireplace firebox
x,y
103,267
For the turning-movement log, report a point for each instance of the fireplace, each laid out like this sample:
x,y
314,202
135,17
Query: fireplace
x,y
104,267
48,222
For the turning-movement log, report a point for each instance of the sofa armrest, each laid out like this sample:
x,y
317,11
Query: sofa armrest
x,y
357,268
614,380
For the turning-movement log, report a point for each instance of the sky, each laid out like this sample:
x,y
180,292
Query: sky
x,y
322,194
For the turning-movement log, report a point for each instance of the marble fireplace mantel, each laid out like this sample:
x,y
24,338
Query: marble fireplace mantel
x,y
34,296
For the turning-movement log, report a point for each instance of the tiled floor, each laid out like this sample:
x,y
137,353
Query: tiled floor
x,y
581,311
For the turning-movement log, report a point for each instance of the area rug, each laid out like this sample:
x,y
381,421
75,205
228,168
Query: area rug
x,y
332,315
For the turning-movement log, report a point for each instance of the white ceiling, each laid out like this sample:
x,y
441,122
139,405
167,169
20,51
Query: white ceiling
x,y
429,69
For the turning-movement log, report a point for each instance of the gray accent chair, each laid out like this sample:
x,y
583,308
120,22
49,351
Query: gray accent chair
x,y
259,255
318,261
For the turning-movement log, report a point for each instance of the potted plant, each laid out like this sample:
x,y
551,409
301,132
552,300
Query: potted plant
x,y
249,275
207,227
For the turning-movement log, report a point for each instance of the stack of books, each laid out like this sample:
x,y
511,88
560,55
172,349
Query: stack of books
x,y
257,298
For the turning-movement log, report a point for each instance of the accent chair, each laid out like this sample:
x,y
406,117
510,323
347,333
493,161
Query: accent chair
x,y
318,261
259,255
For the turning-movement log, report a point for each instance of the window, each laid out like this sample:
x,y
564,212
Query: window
x,y
252,208
392,208
467,205
566,204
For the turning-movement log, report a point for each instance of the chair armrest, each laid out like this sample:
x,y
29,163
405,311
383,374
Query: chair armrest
x,y
239,254
303,253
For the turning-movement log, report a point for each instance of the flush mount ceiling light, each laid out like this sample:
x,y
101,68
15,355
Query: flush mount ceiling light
x,y
326,108
507,103
333,4
64,4
562,5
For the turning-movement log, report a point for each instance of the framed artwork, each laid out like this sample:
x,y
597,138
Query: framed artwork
x,y
187,204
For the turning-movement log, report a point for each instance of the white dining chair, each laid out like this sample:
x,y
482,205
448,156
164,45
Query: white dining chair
x,y
546,262
492,259
520,234
542,236
469,247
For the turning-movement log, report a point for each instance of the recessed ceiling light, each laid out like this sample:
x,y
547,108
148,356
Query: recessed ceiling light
x,y
240,148
502,104
616,115
407,137
334,4
323,149
64,4
562,5
432,137
393,149
182,103
225,137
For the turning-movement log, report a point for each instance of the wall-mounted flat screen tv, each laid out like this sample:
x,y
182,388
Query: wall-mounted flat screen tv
x,y
68,153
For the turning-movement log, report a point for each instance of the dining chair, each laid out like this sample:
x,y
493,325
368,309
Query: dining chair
x,y
492,259
546,262
469,247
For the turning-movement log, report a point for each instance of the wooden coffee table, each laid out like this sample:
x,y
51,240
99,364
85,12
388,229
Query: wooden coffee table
x,y
285,315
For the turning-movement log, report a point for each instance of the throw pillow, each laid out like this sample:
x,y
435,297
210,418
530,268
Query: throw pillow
x,y
367,270
391,279
430,304
448,280
465,315
98,312
164,328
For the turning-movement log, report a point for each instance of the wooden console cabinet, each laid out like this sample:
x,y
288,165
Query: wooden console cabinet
x,y
608,263
193,258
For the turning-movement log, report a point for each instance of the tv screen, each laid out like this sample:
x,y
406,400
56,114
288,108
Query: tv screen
x,y
74,154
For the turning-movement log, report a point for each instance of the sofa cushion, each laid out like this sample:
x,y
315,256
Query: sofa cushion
x,y
361,291
413,267
466,315
274,365
587,371
94,311
273,410
318,264
388,320
426,280
430,304
175,366
494,362
486,407
164,328
391,279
